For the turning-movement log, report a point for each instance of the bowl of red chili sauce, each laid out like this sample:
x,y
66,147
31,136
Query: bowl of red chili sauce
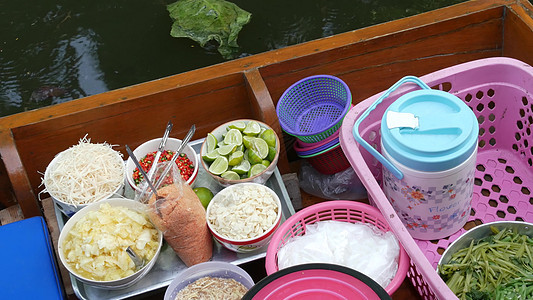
x,y
187,161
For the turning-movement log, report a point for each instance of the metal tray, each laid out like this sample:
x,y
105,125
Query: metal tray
x,y
168,264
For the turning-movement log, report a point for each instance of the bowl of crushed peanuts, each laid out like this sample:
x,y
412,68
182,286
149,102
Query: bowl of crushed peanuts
x,y
244,216
92,244
210,280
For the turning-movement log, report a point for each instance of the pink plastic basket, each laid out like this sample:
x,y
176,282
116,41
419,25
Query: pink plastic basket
x,y
340,210
498,91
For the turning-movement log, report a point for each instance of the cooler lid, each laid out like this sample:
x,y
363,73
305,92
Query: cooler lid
x,y
429,130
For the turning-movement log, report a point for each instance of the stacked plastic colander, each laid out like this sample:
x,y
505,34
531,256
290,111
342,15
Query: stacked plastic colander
x,y
312,110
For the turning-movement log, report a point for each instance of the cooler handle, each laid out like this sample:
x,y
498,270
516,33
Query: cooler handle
x,y
355,131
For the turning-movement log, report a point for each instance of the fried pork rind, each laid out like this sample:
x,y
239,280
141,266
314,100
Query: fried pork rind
x,y
243,213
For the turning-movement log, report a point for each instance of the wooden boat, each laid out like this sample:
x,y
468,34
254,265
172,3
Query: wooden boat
x,y
369,60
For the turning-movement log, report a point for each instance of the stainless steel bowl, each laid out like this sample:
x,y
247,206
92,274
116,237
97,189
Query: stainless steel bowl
x,y
482,231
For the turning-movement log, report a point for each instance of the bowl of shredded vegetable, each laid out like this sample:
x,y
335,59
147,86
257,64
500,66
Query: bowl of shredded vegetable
x,y
92,244
83,174
491,261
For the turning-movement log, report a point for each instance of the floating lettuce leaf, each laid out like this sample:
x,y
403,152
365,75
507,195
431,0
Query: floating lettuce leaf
x,y
205,20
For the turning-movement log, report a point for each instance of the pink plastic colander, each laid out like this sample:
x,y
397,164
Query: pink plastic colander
x,y
498,90
340,210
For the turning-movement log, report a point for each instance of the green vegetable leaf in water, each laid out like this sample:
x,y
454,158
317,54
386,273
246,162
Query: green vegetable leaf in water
x,y
205,20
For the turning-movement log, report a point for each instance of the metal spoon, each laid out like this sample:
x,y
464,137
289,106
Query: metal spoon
x,y
160,149
137,260
138,165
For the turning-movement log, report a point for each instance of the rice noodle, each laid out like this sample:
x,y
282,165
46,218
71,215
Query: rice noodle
x,y
85,173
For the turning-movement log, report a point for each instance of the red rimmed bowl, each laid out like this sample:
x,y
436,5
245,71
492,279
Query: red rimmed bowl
x,y
244,200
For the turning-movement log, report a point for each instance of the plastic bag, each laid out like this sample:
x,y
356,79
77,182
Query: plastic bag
x,y
342,185
179,214
360,246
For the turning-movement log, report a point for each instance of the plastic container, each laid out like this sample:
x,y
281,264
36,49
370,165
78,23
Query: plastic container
x,y
313,108
329,161
210,268
29,266
330,140
498,91
428,152
340,210
316,281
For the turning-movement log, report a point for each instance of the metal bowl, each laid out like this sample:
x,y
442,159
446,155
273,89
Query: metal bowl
x,y
112,284
482,231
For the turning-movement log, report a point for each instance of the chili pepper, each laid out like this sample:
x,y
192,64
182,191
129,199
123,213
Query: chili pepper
x,y
184,164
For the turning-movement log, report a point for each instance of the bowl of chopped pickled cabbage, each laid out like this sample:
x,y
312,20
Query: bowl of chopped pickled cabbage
x,y
210,280
92,244
243,217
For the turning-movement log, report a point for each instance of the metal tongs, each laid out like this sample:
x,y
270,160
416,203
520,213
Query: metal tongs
x,y
138,165
176,155
160,150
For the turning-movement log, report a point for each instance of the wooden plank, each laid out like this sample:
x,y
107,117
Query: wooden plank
x,y
518,29
267,111
10,215
17,176
53,228
431,45
143,120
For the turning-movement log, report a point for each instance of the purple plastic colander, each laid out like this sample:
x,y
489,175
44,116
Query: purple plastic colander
x,y
313,108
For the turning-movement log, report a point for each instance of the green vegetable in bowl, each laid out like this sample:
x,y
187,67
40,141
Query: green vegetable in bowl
x,y
499,266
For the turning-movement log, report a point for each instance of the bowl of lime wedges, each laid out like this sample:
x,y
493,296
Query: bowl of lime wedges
x,y
240,151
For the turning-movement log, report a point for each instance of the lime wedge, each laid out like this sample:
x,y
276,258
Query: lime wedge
x,y
265,162
211,156
256,169
242,168
238,125
235,158
247,141
211,142
269,136
271,153
260,146
252,128
219,166
253,157
226,149
230,175
233,136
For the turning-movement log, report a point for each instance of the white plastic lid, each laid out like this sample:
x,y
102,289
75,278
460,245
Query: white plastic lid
x,y
429,130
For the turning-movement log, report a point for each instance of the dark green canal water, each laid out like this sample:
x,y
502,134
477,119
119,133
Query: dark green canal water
x,y
72,49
